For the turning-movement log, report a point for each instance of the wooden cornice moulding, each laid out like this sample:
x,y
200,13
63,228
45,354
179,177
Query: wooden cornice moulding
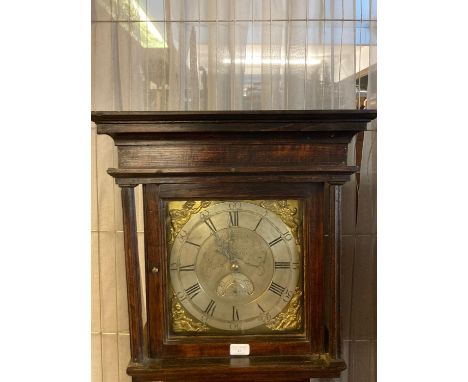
x,y
334,116
116,123
152,172
180,144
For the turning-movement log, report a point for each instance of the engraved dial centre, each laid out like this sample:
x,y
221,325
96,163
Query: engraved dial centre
x,y
235,264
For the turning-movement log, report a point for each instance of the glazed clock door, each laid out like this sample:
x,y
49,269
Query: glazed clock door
x,y
241,269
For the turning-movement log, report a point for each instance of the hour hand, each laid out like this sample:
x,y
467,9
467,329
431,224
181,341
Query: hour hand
x,y
260,268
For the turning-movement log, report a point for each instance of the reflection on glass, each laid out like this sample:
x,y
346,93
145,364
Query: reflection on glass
x,y
243,64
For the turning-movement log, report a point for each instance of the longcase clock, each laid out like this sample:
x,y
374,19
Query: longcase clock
x,y
242,241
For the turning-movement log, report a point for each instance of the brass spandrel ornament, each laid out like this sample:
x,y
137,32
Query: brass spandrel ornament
x,y
180,213
287,210
291,317
182,322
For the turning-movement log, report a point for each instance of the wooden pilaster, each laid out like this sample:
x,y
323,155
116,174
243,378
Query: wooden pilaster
x,y
334,269
132,267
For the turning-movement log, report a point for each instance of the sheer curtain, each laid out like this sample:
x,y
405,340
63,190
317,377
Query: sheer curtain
x,y
231,55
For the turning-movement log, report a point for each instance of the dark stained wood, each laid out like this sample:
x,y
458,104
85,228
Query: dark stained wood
x,y
261,345
128,138
145,131
232,121
228,191
250,178
313,252
154,258
237,369
196,155
235,155
132,267
334,256
233,175
226,115
229,170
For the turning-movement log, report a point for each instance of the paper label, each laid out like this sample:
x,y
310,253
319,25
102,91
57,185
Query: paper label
x,y
239,349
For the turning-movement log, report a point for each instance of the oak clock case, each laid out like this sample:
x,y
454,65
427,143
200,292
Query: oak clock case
x,y
235,267
242,238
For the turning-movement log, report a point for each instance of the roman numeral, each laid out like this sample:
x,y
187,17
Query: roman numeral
x,y
235,314
234,218
189,242
258,224
259,307
210,308
282,264
210,225
276,288
276,241
190,267
193,290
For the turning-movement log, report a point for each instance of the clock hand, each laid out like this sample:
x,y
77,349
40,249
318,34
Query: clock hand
x,y
260,267
223,246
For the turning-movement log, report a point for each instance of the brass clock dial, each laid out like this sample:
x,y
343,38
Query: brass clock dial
x,y
235,265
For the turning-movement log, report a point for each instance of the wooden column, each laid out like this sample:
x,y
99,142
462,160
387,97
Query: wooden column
x,y
154,261
334,269
314,260
132,267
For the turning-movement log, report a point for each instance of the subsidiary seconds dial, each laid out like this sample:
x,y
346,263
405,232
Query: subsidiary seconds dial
x,y
234,266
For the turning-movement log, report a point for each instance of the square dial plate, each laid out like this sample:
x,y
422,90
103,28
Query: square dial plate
x,y
235,267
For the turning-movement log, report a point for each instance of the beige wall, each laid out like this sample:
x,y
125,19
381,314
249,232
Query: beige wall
x,y
109,321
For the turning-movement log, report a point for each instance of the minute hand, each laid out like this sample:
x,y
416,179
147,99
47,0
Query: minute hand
x,y
223,246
